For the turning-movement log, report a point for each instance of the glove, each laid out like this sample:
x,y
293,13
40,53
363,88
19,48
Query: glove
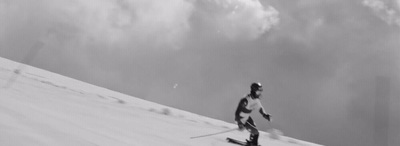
x,y
267,116
241,126
239,123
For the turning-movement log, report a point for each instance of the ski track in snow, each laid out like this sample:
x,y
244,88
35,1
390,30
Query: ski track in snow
x,y
42,108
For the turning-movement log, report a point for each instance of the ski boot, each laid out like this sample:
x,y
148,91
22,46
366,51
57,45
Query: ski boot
x,y
253,140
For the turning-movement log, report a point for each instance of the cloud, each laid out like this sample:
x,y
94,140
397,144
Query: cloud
x,y
382,10
398,4
238,19
124,23
2,20
132,23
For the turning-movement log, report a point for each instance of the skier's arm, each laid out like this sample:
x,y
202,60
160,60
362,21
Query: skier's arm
x,y
241,108
265,115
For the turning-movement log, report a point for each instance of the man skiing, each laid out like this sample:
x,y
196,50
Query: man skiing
x,y
246,106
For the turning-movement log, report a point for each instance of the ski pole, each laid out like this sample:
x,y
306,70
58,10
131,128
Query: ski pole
x,y
270,124
229,130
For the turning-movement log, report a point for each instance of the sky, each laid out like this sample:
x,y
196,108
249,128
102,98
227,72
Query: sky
x,y
322,63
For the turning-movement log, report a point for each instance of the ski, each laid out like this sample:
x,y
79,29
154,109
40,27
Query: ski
x,y
238,142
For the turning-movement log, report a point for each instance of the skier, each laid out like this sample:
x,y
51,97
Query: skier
x,y
242,115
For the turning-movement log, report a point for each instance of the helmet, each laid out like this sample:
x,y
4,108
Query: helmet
x,y
256,87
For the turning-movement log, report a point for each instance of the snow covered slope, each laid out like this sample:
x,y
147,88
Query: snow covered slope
x,y
39,108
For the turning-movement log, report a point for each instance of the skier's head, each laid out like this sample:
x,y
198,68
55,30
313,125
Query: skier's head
x,y
256,89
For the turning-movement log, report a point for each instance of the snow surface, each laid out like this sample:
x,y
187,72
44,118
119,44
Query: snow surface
x,y
40,108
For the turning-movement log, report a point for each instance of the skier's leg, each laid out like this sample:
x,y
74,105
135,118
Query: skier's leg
x,y
251,127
